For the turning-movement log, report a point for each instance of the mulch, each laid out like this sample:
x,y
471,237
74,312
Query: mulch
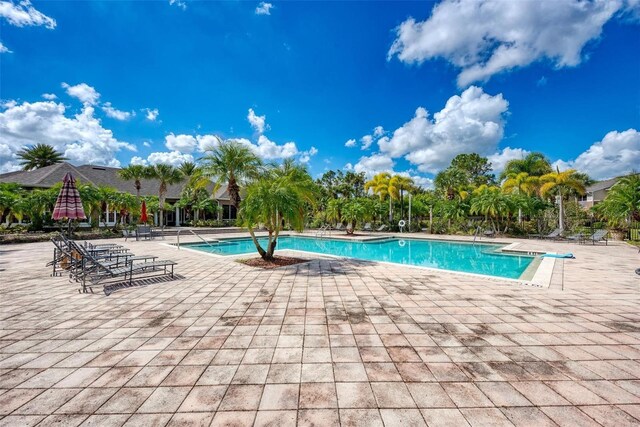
x,y
278,261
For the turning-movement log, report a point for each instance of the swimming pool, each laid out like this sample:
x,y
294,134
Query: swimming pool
x,y
445,255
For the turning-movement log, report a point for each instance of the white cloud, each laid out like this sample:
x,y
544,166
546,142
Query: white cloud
x,y
269,150
146,144
486,37
50,96
305,156
85,93
264,8
374,164
207,142
136,160
470,122
617,154
81,138
4,49
499,159
181,143
350,143
178,3
23,14
174,158
348,167
257,122
115,113
366,141
151,115
378,131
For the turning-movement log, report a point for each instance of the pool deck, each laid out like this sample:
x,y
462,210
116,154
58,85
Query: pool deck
x,y
328,342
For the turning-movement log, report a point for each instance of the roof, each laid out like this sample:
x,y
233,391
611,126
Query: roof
x,y
602,185
96,175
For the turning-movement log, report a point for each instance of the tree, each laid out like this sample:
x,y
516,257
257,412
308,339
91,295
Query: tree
x,y
475,167
166,175
379,186
135,173
491,202
398,184
534,164
430,200
621,206
232,162
521,183
355,210
452,183
39,156
561,184
280,194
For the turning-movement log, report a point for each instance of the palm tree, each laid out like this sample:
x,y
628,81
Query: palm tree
x,y
167,175
535,164
282,194
451,182
398,184
39,156
134,173
521,183
622,204
232,162
561,184
490,202
379,185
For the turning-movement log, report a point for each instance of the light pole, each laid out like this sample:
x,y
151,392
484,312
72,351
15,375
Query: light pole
x,y
409,212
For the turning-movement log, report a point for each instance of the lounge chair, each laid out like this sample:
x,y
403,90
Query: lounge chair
x,y
381,228
489,233
144,231
338,226
367,227
598,236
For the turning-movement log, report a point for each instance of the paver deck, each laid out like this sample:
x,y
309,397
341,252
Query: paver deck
x,y
329,342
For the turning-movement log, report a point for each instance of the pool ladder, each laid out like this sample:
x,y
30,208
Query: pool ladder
x,y
322,231
195,234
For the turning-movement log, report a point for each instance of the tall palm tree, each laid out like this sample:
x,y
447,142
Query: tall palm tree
x,y
281,194
521,183
379,185
451,182
39,156
535,164
232,162
490,202
135,173
561,184
166,175
398,184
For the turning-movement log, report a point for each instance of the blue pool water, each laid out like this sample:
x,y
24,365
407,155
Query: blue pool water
x,y
445,255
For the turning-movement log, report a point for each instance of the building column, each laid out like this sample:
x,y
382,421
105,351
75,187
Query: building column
x,y
155,219
177,216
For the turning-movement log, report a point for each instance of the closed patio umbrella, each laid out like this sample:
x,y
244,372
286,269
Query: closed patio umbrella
x,y
68,205
143,212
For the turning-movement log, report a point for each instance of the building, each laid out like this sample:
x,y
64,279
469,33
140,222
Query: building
x,y
596,193
49,176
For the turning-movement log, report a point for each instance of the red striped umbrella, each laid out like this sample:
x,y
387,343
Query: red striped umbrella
x,y
68,204
143,215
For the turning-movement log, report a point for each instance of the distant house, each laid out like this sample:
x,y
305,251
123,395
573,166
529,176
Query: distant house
x,y
596,193
49,176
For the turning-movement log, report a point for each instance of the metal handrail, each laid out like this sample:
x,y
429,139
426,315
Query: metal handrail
x,y
475,235
195,234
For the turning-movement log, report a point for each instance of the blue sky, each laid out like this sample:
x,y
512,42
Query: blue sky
x,y
302,79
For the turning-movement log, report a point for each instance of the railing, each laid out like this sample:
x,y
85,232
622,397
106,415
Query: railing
x,y
475,234
195,234
322,231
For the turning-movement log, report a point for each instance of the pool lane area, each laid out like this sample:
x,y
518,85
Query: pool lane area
x,y
476,258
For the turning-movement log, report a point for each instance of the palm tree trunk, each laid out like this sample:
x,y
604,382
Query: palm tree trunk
x,y
256,243
390,209
561,214
430,219
234,192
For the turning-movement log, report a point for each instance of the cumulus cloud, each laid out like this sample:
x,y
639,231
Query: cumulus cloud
x,y
499,159
4,49
470,122
350,143
269,150
178,3
366,141
617,154
378,131
151,115
257,122
181,143
81,138
23,14
264,8
486,37
305,156
374,164
83,92
115,113
50,96
174,158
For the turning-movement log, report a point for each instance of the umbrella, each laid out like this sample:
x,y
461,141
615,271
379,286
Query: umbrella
x,y
68,205
143,212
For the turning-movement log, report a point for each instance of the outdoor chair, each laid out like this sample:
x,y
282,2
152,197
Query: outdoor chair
x,y
598,236
555,234
338,226
578,237
143,231
381,228
489,233
367,227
